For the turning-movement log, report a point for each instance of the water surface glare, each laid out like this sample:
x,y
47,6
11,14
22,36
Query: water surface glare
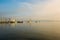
x,y
30,31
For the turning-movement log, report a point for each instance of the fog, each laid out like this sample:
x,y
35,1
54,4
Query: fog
x,y
49,10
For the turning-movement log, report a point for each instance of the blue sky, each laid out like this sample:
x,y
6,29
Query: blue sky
x,y
9,7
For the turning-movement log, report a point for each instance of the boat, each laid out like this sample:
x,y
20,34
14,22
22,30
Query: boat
x,y
19,21
29,21
11,22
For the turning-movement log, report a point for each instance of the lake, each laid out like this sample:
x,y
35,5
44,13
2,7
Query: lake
x,y
30,31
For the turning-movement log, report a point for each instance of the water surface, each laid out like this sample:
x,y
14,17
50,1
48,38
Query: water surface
x,y
30,31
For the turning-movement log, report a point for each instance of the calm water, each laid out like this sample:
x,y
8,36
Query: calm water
x,y
30,31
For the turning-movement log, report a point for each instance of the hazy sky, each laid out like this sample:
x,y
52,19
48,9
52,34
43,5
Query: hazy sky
x,y
35,9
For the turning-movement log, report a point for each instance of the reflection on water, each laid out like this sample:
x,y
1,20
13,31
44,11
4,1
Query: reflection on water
x,y
30,31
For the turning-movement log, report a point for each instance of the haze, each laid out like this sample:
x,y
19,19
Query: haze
x,y
34,9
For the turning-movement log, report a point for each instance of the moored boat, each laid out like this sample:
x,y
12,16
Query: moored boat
x,y
19,21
